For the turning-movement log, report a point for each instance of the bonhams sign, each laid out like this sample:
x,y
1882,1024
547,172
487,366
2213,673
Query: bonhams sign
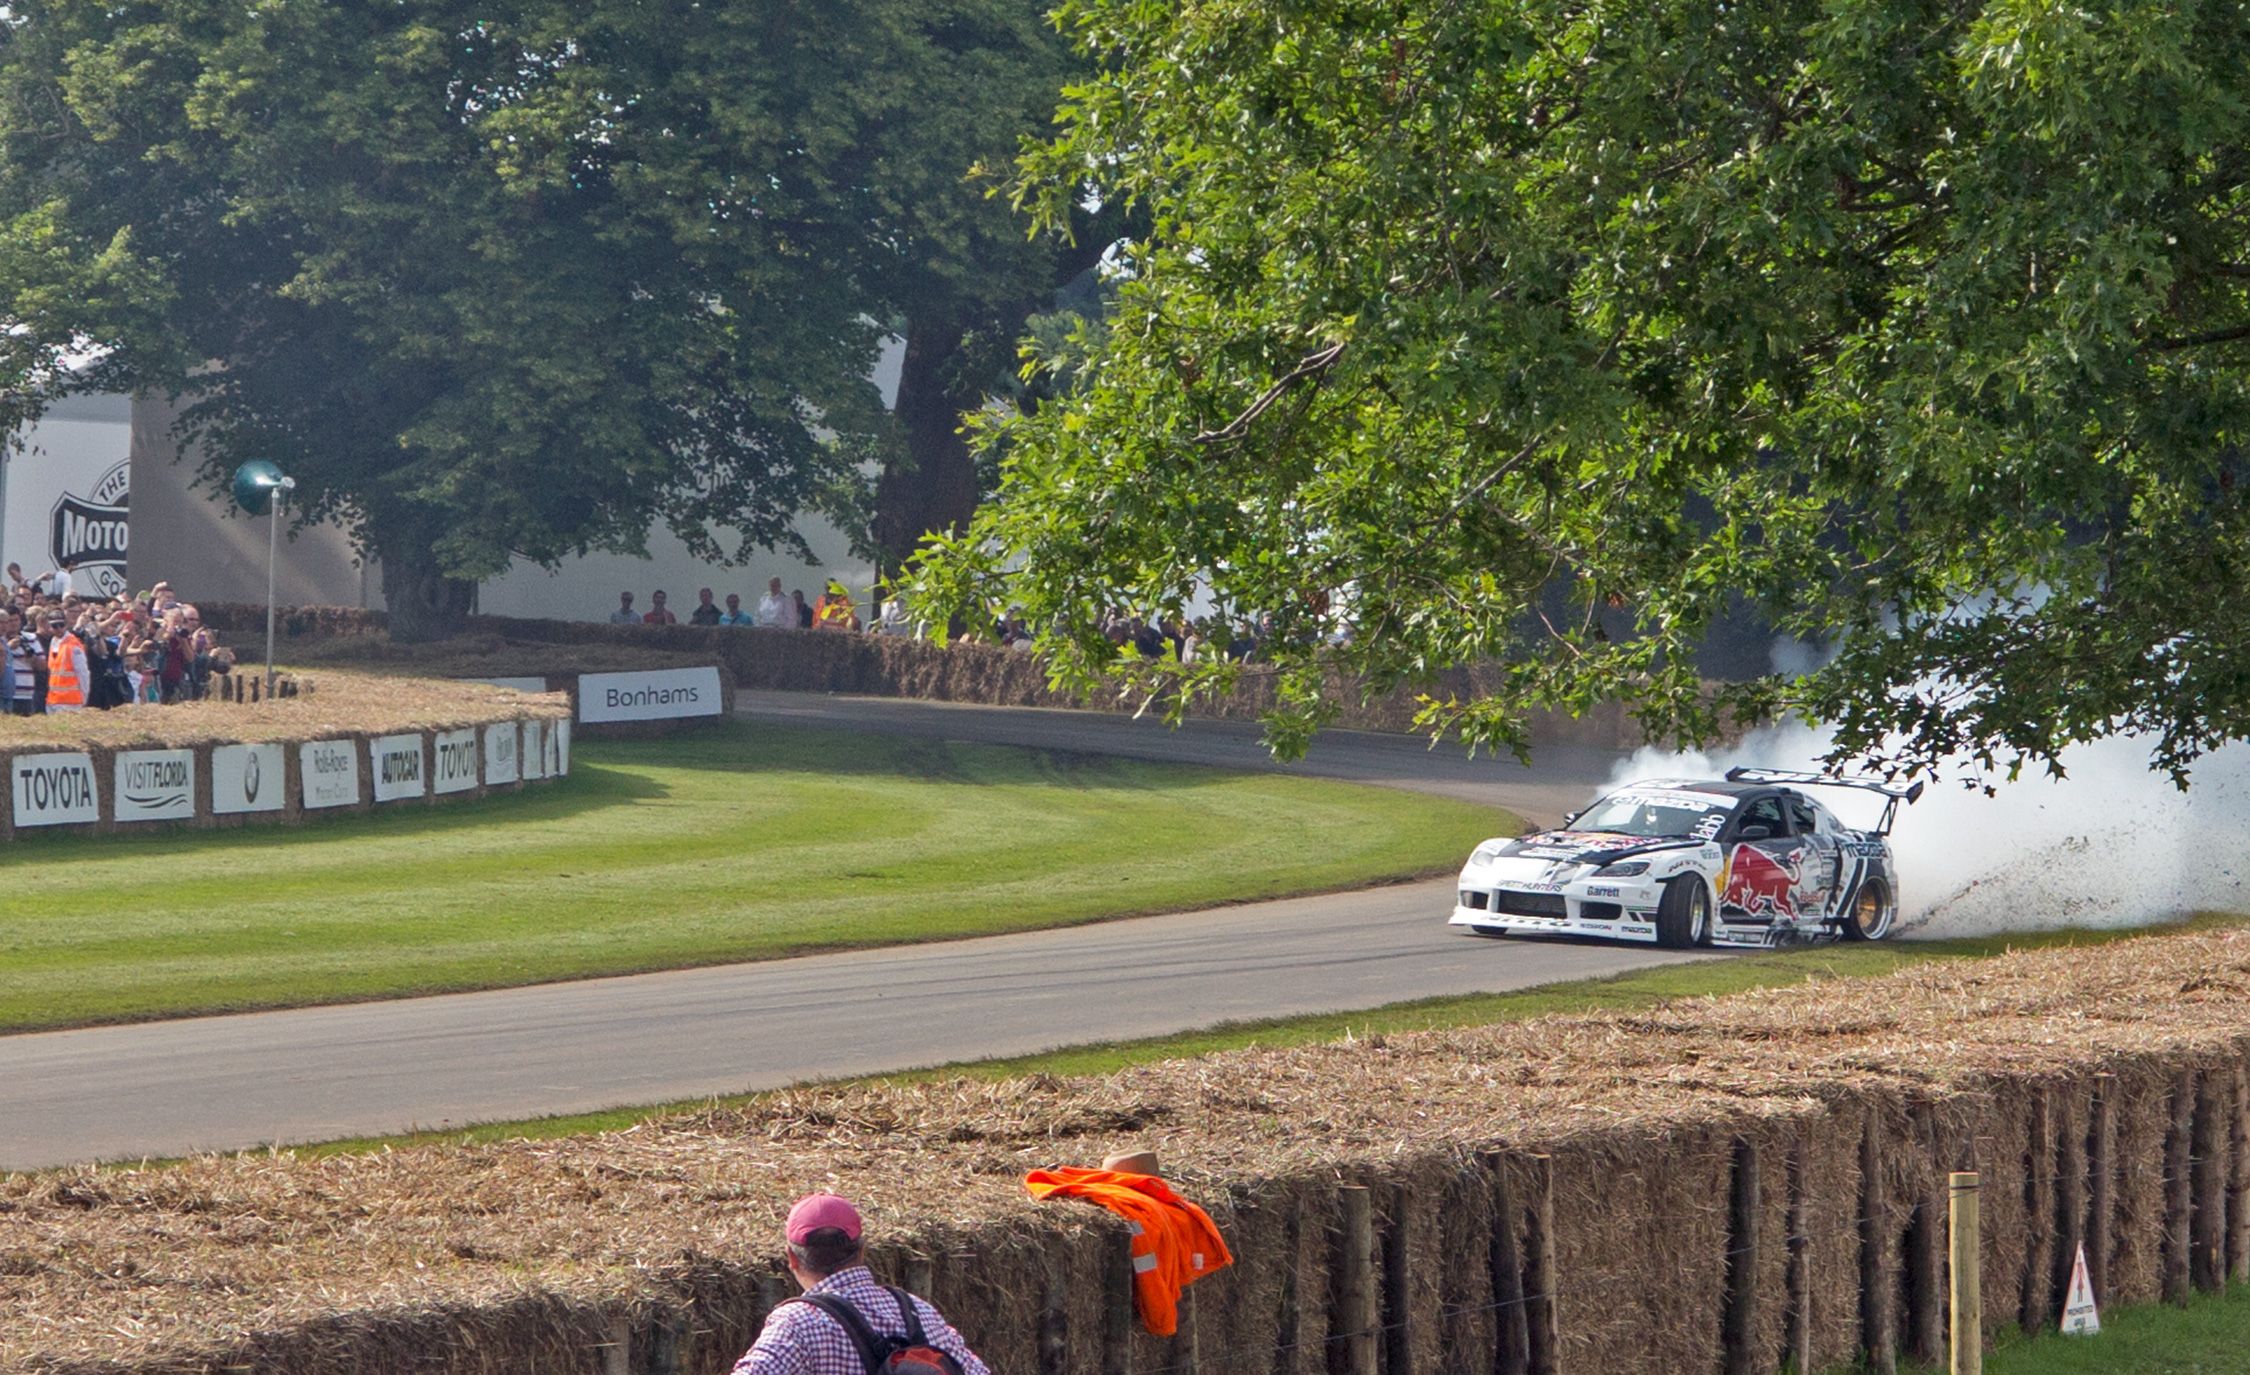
x,y
89,531
665,695
54,789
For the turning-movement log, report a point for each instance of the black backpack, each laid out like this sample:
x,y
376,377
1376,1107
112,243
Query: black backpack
x,y
911,1354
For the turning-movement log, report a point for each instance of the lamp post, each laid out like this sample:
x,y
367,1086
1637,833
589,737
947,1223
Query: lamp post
x,y
258,488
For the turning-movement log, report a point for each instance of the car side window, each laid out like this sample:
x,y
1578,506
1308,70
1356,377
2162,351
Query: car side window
x,y
1801,812
1766,812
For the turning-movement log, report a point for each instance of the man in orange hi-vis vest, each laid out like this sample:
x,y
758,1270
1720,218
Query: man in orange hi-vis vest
x,y
66,667
834,610
1174,1242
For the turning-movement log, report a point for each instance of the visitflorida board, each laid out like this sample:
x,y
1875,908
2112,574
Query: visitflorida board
x,y
54,789
247,778
394,764
660,695
155,785
330,769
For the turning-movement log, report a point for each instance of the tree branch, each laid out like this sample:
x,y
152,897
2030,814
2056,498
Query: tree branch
x,y
1309,366
2213,336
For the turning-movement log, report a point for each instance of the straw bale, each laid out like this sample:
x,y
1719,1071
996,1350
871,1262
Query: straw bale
x,y
1641,1238
1240,1312
1832,1187
2142,1088
1468,1326
2001,1147
170,1268
1763,1256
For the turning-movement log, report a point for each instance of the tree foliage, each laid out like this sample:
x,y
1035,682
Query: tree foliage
x,y
515,279
1537,331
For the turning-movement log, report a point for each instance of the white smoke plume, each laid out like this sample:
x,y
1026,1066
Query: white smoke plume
x,y
2111,844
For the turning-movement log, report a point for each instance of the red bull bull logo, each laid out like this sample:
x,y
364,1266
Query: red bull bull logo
x,y
1761,884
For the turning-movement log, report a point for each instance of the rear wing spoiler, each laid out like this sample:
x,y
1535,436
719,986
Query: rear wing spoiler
x,y
1892,791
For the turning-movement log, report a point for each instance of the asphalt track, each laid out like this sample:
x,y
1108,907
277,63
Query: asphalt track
x,y
224,1083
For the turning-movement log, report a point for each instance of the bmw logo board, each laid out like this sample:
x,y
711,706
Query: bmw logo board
x,y
246,778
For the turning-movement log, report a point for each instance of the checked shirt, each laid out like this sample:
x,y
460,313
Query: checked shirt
x,y
799,1339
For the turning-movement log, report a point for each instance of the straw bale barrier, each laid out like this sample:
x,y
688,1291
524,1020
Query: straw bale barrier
x,y
1716,1186
66,772
878,666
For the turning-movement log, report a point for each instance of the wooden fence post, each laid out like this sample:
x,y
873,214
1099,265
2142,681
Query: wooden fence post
x,y
2179,1192
1800,1265
1117,1308
2101,1206
1968,1277
1356,1281
1539,1278
1738,1323
1511,1332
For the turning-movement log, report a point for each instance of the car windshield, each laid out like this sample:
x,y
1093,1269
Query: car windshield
x,y
1645,814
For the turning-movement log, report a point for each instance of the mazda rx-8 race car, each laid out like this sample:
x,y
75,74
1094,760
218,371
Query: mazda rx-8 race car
x,y
1750,860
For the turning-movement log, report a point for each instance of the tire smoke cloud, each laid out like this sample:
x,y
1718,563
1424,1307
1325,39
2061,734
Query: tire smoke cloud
x,y
2110,844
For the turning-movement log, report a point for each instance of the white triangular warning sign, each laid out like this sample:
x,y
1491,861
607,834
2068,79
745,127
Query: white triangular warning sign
x,y
2079,1317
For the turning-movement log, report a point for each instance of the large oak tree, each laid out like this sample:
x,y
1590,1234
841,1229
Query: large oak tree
x,y
519,279
1539,332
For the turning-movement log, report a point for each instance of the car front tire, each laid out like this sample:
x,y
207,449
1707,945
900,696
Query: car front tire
x,y
1683,917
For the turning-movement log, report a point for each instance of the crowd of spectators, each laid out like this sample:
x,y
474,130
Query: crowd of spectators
x,y
1150,637
834,609
60,651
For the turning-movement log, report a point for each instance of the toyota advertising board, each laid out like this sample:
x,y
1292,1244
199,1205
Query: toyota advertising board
x,y
154,785
661,695
394,767
453,761
247,778
54,789
330,769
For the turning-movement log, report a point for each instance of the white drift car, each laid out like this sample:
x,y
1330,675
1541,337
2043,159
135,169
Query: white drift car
x,y
1681,862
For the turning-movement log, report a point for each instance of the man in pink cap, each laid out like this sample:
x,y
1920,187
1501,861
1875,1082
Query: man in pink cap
x,y
845,1323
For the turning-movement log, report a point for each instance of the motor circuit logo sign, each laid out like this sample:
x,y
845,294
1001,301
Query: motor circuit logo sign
x,y
453,761
500,754
331,773
1761,884
395,765
91,532
246,778
155,785
666,695
55,789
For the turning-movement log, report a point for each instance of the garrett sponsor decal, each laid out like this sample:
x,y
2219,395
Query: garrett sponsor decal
x,y
1599,890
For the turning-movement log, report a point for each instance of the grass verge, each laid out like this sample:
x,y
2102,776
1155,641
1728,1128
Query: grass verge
x,y
741,842
1724,974
2209,1336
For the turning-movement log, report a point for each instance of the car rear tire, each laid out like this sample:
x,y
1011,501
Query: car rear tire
x,y
1683,918
1873,912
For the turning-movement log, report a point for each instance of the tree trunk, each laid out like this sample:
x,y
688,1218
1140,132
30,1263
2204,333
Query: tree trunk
x,y
935,488
424,604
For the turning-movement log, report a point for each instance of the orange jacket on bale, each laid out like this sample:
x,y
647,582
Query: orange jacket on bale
x,y
1174,1242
